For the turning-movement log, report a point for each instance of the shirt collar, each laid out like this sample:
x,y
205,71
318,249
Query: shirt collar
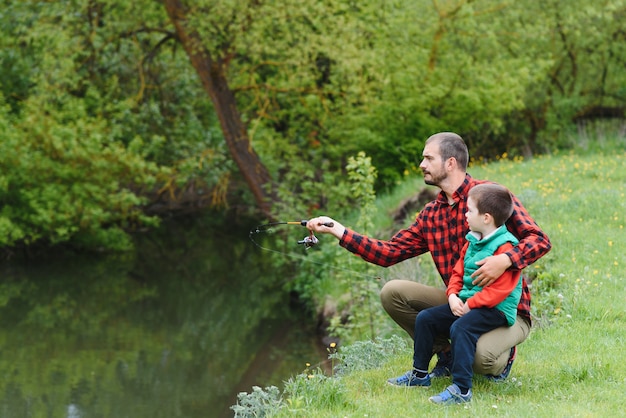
x,y
459,194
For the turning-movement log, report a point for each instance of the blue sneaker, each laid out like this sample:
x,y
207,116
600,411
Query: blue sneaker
x,y
443,366
452,395
409,380
507,369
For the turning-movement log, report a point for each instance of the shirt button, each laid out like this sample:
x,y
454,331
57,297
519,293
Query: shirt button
x,y
455,247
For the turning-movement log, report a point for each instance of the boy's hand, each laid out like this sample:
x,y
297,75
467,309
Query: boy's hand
x,y
456,305
466,308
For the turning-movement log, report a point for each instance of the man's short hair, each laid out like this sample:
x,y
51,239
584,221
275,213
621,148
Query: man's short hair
x,y
451,145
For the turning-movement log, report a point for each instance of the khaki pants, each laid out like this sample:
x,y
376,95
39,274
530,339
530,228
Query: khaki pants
x,y
404,299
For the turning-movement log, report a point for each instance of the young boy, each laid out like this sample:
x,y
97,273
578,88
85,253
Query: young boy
x,y
471,310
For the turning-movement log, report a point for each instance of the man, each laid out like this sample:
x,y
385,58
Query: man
x,y
440,229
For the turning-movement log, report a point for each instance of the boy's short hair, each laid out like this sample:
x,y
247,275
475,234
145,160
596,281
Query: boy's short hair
x,y
493,199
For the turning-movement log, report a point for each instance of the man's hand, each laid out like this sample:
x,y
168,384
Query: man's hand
x,y
456,305
319,225
490,269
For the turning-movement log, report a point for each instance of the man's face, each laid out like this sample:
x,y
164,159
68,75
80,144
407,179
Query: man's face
x,y
432,165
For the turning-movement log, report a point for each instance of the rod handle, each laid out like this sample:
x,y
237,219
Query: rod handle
x,y
328,224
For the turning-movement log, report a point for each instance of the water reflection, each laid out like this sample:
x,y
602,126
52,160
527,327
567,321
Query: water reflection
x,y
175,329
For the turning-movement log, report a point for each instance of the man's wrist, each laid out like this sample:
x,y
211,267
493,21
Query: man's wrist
x,y
514,259
509,260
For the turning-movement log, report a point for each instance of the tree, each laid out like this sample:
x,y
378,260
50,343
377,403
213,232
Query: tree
x,y
212,72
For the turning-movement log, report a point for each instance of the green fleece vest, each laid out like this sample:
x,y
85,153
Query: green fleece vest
x,y
476,251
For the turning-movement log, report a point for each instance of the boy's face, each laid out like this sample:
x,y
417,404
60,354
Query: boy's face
x,y
475,220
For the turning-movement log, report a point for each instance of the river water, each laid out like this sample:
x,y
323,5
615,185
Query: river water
x,y
175,328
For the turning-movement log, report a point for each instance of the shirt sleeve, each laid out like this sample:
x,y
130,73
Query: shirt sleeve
x,y
496,292
456,278
533,242
403,245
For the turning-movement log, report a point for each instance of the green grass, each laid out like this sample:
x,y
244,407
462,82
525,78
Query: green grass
x,y
572,365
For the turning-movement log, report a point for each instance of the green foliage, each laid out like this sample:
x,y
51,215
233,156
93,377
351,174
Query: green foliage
x,y
259,403
100,114
69,181
362,175
305,189
301,393
314,390
315,83
579,52
367,354
326,280
486,70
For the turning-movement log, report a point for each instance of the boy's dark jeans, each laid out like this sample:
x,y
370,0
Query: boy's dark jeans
x,y
463,331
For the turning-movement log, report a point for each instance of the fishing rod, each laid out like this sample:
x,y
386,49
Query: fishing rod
x,y
308,241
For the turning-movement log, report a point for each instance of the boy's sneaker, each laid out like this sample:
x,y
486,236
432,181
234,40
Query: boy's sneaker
x,y
409,380
452,395
507,369
443,366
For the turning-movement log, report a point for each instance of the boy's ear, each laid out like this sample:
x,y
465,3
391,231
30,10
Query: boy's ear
x,y
487,218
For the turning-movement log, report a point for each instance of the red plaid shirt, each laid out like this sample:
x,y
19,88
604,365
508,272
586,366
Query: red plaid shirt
x,y
440,229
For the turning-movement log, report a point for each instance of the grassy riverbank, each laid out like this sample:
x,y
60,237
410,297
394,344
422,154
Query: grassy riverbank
x,y
572,364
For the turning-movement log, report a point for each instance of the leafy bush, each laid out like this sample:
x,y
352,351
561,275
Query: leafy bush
x,y
305,390
64,179
259,403
366,355
313,389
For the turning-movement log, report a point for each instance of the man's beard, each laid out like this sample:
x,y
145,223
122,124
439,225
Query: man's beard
x,y
435,180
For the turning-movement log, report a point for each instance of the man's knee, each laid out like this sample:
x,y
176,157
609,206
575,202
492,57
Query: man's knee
x,y
486,360
390,295
493,348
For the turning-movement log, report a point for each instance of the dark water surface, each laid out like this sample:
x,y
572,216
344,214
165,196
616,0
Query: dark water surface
x,y
174,329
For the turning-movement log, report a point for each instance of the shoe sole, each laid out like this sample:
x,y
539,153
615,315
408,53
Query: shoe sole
x,y
407,386
450,402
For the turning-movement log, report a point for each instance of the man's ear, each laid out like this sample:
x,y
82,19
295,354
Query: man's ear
x,y
451,164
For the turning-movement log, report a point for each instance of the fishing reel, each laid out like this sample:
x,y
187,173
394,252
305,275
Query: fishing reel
x,y
311,240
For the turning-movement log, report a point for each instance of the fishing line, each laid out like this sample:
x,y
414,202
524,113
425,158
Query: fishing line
x,y
308,242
